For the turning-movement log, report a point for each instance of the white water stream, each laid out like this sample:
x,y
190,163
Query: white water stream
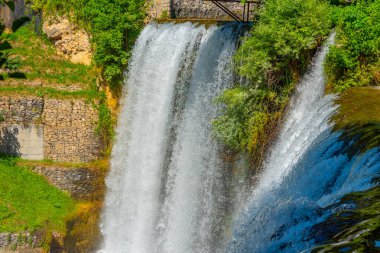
x,y
169,191
165,187
307,118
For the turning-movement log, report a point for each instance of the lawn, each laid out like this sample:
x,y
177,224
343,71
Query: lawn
x,y
28,202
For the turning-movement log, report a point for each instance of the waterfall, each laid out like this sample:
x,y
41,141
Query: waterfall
x,y
307,171
169,189
165,189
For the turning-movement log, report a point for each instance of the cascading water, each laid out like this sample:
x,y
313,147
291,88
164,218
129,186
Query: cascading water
x,y
166,184
309,169
170,191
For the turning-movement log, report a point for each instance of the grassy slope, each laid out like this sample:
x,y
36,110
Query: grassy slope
x,y
49,75
44,70
28,202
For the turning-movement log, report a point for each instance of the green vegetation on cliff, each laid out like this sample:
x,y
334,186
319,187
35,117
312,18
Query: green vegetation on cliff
x,y
114,26
354,60
28,202
42,66
279,49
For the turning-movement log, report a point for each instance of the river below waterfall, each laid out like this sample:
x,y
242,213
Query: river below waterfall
x,y
169,189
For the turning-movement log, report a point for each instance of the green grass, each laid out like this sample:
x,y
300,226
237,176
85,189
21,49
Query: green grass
x,y
49,92
28,202
40,62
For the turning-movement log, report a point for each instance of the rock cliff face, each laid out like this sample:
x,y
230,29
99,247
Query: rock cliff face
x,y
37,128
8,16
70,41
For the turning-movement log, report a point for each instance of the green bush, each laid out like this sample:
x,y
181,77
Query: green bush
x,y
104,127
285,30
114,26
13,64
354,59
271,59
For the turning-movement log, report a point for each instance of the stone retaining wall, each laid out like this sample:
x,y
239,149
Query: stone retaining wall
x,y
47,128
159,9
80,183
194,9
69,131
23,242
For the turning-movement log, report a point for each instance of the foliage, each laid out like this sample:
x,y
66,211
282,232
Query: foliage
x,y
286,29
105,125
247,112
354,59
271,59
114,26
13,64
28,202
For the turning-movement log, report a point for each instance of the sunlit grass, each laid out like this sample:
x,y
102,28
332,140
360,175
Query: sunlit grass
x,y
40,62
28,202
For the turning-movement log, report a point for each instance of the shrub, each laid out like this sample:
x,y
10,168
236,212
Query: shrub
x,y
354,59
13,64
104,127
271,59
285,30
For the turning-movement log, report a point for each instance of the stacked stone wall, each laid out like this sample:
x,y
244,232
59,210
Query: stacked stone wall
x,y
80,183
69,131
159,9
45,128
23,242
